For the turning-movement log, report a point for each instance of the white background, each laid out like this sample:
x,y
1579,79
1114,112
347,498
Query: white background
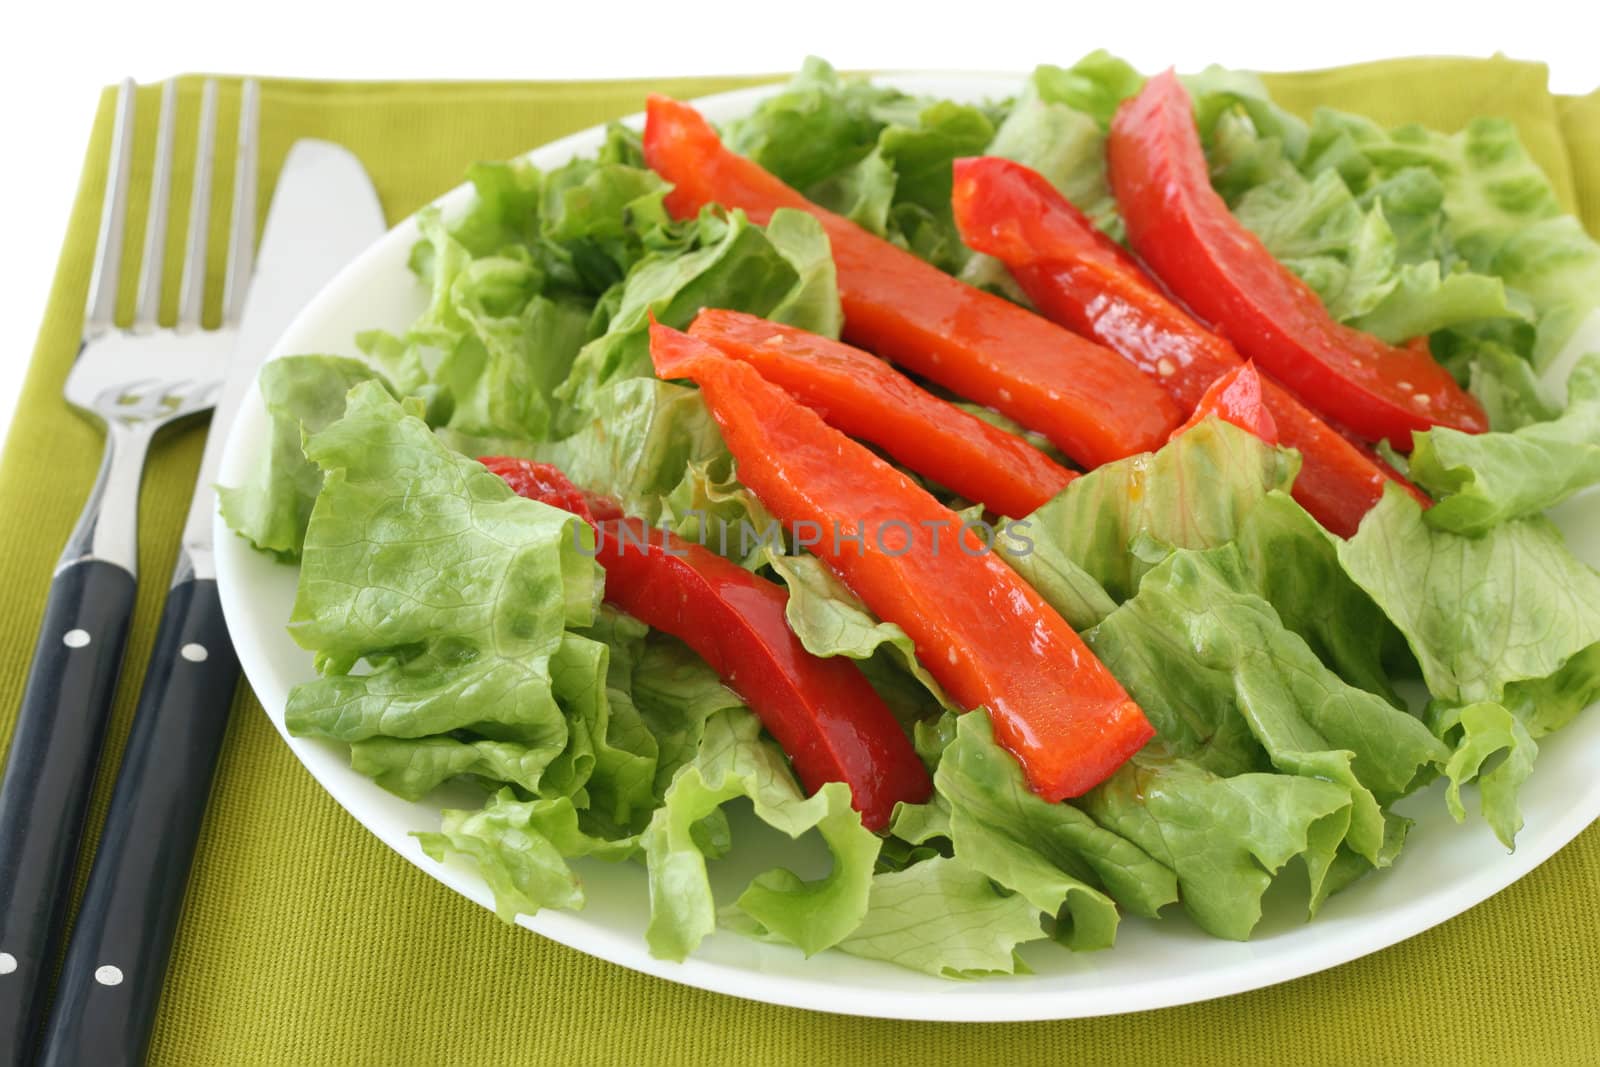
x,y
56,54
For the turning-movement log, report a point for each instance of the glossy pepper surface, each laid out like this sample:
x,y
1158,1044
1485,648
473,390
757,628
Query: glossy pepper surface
x,y
1236,397
1081,396
822,711
987,637
861,395
1181,228
1079,277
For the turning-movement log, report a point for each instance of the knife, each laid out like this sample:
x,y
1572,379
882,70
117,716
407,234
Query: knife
x,y
324,211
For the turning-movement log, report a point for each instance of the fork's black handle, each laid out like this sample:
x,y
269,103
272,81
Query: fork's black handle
x,y
45,792
111,981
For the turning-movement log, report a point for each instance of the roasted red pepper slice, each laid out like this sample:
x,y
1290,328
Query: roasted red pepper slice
x,y
1182,229
1082,279
861,395
1236,397
1082,397
979,629
827,717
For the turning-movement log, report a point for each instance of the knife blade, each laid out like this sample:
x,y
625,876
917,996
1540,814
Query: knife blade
x,y
324,211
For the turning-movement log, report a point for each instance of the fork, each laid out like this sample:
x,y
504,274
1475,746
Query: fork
x,y
133,381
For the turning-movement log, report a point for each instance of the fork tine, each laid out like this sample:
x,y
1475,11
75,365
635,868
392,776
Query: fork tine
x,y
102,306
242,224
192,300
148,311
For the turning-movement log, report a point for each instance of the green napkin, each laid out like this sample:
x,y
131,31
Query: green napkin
x,y
305,940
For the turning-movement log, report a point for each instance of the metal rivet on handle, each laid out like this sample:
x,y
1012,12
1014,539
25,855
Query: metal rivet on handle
x,y
106,974
75,638
8,963
194,653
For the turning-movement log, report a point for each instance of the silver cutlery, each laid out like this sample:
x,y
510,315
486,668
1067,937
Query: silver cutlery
x,y
134,380
324,211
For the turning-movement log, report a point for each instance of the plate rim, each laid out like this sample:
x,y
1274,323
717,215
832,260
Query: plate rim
x,y
1006,999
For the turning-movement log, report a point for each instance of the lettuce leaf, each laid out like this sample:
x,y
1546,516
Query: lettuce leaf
x,y
456,592
1293,563
480,563
514,282
819,125
1409,232
1481,612
1224,837
1253,688
1192,493
876,155
1095,85
303,395
1052,854
1343,242
831,621
1486,479
1496,743
1501,217
734,761
1494,748
945,919
521,848
1057,126
784,272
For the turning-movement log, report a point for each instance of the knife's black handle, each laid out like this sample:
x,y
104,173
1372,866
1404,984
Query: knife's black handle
x,y
111,981
48,775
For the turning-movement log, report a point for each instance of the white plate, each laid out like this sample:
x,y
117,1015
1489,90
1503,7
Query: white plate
x,y
1444,869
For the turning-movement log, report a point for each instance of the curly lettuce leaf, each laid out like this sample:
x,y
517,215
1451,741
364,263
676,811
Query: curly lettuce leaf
x,y
831,621
1486,479
877,156
491,346
521,848
1481,612
1495,744
1408,232
819,125
1095,85
1293,564
676,693
480,563
1252,688
1545,705
1255,698
783,271
1346,247
734,761
514,281
458,594
1494,748
1057,126
1052,854
943,918
1192,493
1224,837
302,395
1501,217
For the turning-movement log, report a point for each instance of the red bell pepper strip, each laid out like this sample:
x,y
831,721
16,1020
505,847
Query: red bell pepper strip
x,y
1236,397
978,628
827,717
1079,277
1184,231
859,394
1080,396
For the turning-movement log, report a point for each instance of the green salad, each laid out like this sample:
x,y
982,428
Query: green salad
x,y
1299,683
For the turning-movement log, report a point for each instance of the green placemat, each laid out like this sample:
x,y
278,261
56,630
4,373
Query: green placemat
x,y
305,940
